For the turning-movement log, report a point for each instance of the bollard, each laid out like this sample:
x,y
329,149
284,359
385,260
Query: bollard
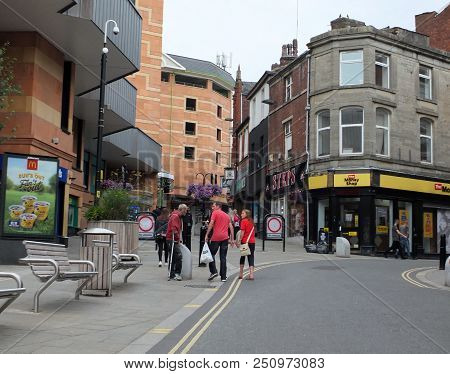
x,y
443,253
203,230
447,272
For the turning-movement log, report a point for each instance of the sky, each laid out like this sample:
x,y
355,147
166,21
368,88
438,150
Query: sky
x,y
253,31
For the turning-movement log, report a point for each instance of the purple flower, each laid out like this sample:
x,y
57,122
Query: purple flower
x,y
203,192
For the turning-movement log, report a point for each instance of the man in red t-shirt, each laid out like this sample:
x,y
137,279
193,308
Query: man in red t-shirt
x,y
220,223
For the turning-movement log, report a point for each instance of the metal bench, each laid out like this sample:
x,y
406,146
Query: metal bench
x,y
122,261
49,263
11,294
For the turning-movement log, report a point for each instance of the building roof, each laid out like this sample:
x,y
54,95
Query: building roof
x,y
247,87
205,68
256,86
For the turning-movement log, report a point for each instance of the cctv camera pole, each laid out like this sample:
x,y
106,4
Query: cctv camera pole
x,y
101,111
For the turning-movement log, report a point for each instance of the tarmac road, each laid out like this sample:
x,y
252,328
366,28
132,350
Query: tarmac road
x,y
342,306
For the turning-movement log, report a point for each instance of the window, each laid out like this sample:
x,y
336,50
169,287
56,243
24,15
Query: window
x,y
189,128
287,139
220,90
191,104
382,128
77,143
189,153
219,135
323,133
66,95
86,165
191,81
246,142
424,82
288,88
165,76
382,70
217,158
219,111
426,140
263,97
351,131
352,70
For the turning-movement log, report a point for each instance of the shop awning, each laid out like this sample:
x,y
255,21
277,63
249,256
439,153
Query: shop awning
x,y
133,147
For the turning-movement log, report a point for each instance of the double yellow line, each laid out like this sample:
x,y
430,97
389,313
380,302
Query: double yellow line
x,y
192,336
407,276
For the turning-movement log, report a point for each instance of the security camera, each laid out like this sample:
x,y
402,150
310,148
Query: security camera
x,y
115,30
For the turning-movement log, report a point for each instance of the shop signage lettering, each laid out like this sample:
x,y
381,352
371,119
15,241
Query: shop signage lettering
x,y
284,179
32,163
352,180
441,187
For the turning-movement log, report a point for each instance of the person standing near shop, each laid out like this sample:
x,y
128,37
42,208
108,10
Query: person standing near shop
x,y
221,225
236,222
404,239
187,229
395,247
160,235
247,234
174,234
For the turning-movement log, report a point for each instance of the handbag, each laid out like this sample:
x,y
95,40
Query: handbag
x,y
244,248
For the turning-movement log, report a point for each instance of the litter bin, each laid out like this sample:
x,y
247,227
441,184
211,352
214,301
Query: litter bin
x,y
101,256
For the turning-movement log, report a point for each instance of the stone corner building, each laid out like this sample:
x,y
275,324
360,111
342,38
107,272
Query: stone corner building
x,y
379,136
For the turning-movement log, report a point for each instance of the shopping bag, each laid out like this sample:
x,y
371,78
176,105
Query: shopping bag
x,y
206,256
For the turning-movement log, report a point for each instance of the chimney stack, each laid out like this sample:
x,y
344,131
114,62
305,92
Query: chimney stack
x,y
295,47
284,51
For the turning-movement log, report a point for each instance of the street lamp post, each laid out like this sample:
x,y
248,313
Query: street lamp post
x,y
101,108
204,227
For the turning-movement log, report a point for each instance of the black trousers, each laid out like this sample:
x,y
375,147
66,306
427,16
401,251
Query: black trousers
x,y
250,257
162,246
395,248
177,257
187,238
223,247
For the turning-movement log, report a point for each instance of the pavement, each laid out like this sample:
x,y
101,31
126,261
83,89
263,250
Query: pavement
x,y
142,312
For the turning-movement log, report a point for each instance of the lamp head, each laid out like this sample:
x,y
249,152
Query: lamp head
x,y
116,30
105,50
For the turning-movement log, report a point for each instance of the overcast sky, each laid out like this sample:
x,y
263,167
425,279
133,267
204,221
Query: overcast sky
x,y
254,30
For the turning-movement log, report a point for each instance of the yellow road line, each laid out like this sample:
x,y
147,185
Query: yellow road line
x,y
160,331
208,323
192,306
407,276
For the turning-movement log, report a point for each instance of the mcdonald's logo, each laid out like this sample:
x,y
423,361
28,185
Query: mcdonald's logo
x,y
32,163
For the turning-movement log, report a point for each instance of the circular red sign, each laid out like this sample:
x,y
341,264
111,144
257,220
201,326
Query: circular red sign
x,y
146,223
274,224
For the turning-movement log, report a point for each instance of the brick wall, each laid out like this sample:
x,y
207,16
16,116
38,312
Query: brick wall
x,y
437,27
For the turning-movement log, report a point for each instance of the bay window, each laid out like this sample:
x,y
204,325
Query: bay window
x,y
323,133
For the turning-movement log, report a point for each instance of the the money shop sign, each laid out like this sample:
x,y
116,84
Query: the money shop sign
x,y
29,196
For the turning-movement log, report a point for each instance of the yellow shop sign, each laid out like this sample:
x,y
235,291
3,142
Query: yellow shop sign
x,y
352,180
415,185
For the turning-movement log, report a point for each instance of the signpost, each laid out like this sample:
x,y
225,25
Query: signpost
x,y
274,228
29,196
146,225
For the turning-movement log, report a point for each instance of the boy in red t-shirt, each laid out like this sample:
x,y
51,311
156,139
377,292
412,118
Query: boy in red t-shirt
x,y
221,223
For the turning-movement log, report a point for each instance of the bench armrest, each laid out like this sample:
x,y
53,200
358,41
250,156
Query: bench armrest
x,y
132,255
32,260
83,262
14,276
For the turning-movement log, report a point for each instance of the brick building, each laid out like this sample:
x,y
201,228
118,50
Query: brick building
x,y
436,26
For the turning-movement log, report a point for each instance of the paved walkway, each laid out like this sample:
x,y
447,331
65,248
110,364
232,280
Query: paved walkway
x,y
127,322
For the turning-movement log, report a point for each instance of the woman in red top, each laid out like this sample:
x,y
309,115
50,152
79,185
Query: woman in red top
x,y
247,232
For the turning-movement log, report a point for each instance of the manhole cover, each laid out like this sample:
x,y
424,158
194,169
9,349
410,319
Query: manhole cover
x,y
199,286
327,267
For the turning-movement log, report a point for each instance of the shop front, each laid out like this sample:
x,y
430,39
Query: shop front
x,y
362,207
287,197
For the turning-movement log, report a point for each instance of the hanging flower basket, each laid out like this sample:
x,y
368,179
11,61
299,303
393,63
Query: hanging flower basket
x,y
203,192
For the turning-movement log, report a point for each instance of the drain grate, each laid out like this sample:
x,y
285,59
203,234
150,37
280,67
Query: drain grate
x,y
199,286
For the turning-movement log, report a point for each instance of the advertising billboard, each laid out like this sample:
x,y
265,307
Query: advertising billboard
x,y
29,189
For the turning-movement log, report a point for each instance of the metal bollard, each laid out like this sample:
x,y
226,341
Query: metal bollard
x,y
203,230
443,253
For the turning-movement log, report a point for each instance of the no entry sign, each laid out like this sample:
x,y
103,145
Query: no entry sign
x,y
146,226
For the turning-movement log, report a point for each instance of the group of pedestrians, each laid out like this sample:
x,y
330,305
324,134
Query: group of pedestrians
x,y
224,230
400,240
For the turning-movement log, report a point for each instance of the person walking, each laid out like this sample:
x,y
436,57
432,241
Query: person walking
x,y
174,233
404,239
236,222
221,225
395,247
187,229
160,235
247,235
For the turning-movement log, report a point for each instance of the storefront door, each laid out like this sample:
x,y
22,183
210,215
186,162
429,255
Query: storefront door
x,y
349,221
383,219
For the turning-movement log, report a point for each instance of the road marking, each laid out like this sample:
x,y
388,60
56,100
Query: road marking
x,y
408,277
192,306
221,304
160,331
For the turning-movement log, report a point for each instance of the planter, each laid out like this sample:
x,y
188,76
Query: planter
x,y
127,233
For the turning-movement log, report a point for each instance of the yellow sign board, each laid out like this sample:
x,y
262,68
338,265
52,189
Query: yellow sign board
x,y
352,180
382,230
416,185
403,216
428,225
317,182
352,233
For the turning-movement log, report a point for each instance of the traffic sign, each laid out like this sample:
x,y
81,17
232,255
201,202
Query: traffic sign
x,y
146,226
274,228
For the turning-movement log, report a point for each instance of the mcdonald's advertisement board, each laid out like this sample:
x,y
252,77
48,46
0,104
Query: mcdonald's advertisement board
x,y
28,196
